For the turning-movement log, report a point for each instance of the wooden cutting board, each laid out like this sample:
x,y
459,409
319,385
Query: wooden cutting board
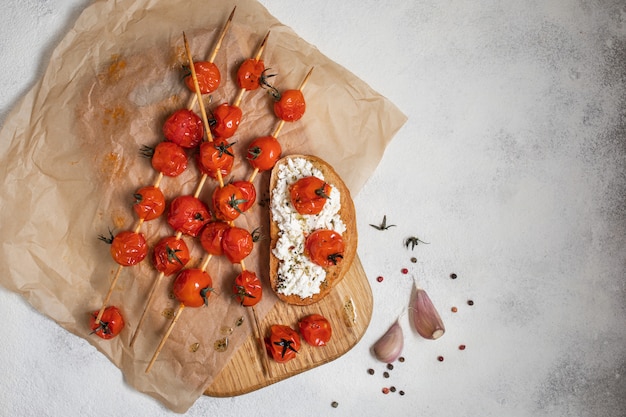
x,y
244,373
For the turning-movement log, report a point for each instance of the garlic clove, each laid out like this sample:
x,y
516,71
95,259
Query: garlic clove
x,y
389,347
426,319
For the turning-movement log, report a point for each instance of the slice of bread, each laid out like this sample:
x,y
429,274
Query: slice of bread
x,y
348,215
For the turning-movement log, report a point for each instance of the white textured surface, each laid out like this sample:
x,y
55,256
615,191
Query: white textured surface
x,y
512,165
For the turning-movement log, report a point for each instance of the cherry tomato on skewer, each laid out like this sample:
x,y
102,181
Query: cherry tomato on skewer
x,y
283,343
237,244
290,106
214,156
251,74
188,215
184,128
227,202
324,247
167,158
247,289
149,202
309,195
249,194
110,325
170,255
263,152
127,248
208,76
211,237
315,329
225,121
192,287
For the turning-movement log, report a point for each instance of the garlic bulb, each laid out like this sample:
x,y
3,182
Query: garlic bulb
x,y
389,346
426,319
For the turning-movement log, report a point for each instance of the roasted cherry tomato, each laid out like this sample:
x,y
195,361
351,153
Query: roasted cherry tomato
x,y
211,237
283,343
214,156
309,194
227,202
324,247
192,287
315,329
250,74
208,76
149,202
127,248
247,289
184,128
110,325
249,194
290,106
170,255
237,243
263,152
167,158
188,215
226,119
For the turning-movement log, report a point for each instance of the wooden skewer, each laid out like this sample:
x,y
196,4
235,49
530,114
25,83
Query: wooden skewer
x,y
197,88
281,123
181,306
259,52
218,45
216,49
109,293
203,267
259,336
151,295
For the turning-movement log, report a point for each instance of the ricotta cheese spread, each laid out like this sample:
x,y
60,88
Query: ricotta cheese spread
x,y
297,275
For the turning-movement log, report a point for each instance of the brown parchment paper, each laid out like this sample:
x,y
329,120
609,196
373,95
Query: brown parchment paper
x,y
70,164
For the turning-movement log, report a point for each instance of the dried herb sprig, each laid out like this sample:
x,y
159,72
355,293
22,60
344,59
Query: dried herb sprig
x,y
413,242
383,225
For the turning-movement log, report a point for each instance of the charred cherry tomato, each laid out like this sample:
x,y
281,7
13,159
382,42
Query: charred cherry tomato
x,y
309,194
227,202
324,247
127,248
192,287
208,76
315,329
170,255
167,158
226,119
263,153
291,106
247,289
188,215
249,194
149,203
237,243
250,74
211,237
110,325
184,128
283,343
214,156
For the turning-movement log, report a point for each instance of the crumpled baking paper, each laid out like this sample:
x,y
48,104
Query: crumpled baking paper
x,y
70,164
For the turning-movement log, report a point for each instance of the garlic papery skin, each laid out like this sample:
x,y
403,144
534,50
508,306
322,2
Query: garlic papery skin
x,y
426,319
389,347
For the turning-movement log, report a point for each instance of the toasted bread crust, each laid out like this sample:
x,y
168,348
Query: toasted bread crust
x,y
334,273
